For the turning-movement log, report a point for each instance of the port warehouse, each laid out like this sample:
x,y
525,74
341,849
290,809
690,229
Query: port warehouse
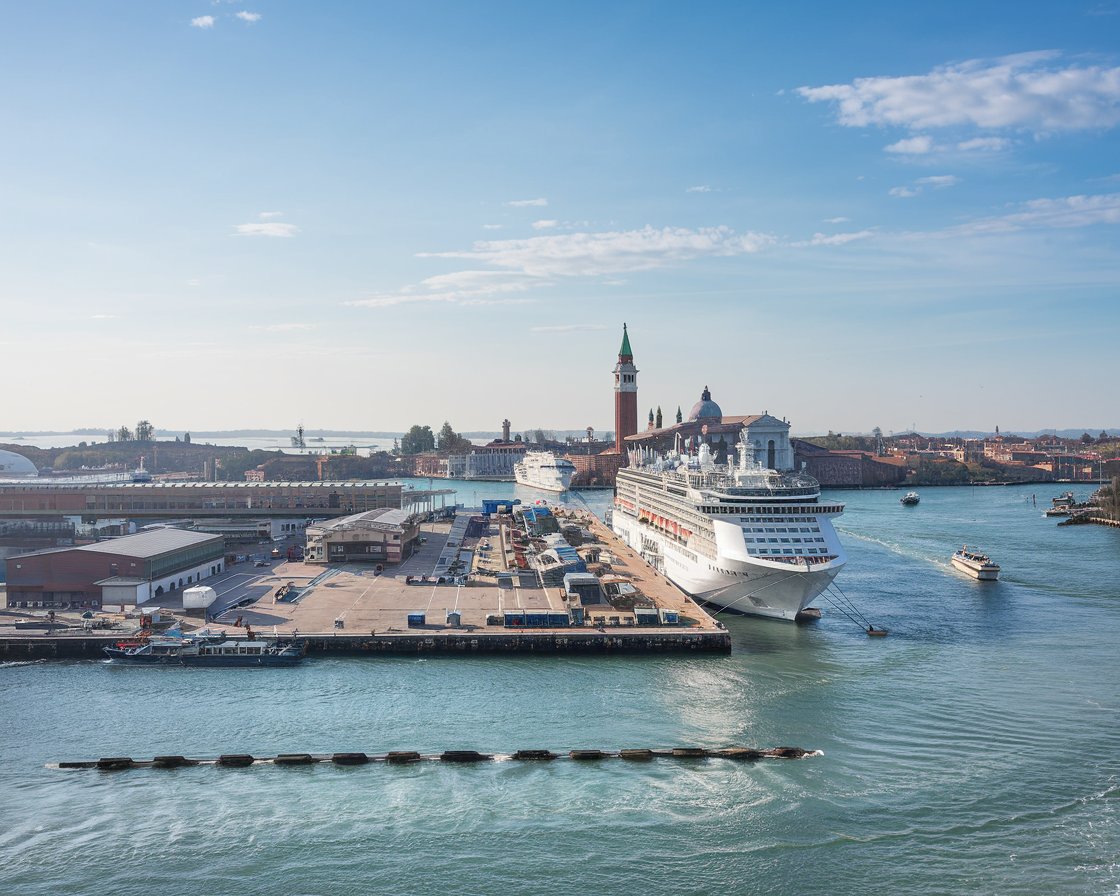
x,y
128,570
27,500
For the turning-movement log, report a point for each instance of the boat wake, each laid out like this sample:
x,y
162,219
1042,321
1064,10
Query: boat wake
x,y
896,548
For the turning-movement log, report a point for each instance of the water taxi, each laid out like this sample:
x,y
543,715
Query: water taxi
x,y
975,564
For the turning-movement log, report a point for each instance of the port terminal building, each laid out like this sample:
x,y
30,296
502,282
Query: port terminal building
x,y
375,536
132,569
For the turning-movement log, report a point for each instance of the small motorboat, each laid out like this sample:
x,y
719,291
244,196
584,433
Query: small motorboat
x,y
909,499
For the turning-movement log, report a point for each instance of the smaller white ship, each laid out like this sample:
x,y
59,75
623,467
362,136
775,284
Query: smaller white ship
x,y
544,470
909,499
140,474
975,564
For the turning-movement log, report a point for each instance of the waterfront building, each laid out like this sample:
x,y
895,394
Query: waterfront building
x,y
848,469
376,536
128,570
247,531
707,425
163,500
494,461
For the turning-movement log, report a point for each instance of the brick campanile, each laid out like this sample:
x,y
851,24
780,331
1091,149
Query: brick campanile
x,y
625,394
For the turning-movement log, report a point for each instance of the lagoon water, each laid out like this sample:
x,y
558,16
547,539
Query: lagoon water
x,y
974,750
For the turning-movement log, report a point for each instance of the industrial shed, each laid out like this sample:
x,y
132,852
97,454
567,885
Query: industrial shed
x,y
137,567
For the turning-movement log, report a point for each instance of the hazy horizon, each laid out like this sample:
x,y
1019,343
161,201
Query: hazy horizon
x,y
92,435
847,216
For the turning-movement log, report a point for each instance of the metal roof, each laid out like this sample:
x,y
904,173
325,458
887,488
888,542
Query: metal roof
x,y
342,485
383,518
151,544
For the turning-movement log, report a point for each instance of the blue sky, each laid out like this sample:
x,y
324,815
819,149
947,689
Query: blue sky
x,y
368,215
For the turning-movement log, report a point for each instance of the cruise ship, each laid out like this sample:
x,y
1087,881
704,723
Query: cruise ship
x,y
544,470
741,537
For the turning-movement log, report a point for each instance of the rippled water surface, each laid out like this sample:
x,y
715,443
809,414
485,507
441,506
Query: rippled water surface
x,y
975,750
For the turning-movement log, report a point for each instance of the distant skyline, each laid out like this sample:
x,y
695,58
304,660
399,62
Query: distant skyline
x,y
223,215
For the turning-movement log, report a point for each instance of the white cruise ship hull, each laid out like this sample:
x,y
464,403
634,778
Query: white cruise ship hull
x,y
543,470
754,587
558,484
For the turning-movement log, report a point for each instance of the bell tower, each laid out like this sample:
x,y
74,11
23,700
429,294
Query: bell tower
x,y
625,394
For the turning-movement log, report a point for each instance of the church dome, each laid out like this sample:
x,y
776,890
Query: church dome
x,y
14,465
705,408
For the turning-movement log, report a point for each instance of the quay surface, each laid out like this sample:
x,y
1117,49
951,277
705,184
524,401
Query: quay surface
x,y
352,610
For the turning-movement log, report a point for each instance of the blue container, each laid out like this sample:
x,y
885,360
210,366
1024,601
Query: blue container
x,y
415,620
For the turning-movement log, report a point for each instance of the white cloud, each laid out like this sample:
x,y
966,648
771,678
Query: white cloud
x,y
703,188
984,144
267,228
590,254
491,226
839,220
518,266
103,317
283,328
460,288
915,146
834,239
250,17
902,192
567,328
264,216
1063,213
547,224
1028,91
202,22
527,203
939,181
194,281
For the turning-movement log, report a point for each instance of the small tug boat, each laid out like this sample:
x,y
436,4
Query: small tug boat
x,y
909,499
975,564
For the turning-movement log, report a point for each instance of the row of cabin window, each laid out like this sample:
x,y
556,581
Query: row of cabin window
x,y
784,540
785,529
786,550
721,510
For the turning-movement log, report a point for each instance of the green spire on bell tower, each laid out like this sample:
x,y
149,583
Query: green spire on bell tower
x,y
625,351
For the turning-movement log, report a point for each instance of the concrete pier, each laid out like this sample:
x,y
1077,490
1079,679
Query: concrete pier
x,y
455,595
